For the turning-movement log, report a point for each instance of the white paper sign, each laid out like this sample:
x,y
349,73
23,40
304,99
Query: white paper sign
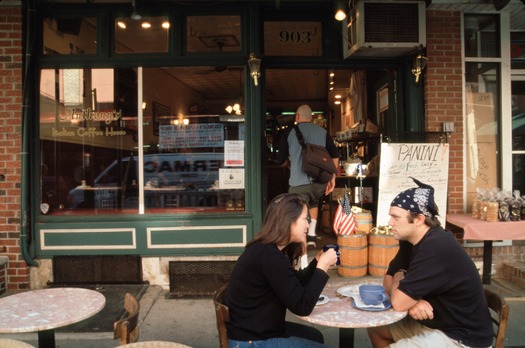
x,y
231,178
234,153
427,162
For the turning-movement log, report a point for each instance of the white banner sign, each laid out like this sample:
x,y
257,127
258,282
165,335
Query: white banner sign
x,y
427,162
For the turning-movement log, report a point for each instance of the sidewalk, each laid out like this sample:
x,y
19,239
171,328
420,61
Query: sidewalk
x,y
192,322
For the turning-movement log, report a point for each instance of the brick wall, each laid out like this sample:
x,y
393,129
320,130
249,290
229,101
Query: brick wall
x,y
11,56
444,99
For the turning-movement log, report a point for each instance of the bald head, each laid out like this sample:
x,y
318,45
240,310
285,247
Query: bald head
x,y
304,113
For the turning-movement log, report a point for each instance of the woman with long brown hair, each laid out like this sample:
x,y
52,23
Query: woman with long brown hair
x,y
265,281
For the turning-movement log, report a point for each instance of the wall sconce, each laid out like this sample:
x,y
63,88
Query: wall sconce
x,y
340,10
420,62
255,65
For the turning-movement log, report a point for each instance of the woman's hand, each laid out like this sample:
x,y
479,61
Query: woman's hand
x,y
327,259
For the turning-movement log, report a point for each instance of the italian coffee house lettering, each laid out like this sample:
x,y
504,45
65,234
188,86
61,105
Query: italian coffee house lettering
x,y
89,132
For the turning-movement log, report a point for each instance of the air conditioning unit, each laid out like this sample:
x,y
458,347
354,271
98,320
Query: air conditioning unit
x,y
384,28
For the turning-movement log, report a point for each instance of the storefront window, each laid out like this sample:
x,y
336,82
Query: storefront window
x,y
70,36
144,35
482,35
194,154
482,126
193,150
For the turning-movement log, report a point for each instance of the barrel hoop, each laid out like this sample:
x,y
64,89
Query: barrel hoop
x,y
353,267
384,246
353,248
378,266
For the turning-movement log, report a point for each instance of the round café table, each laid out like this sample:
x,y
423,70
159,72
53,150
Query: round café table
x,y
46,309
155,344
340,312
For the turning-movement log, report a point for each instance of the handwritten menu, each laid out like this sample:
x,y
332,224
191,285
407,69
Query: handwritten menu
x,y
427,162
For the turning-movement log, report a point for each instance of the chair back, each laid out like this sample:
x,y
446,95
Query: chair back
x,y
126,329
499,313
222,313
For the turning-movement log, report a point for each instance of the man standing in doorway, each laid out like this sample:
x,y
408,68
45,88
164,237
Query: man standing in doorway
x,y
290,155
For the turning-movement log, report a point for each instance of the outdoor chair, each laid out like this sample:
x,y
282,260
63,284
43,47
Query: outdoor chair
x,y
499,313
223,315
126,329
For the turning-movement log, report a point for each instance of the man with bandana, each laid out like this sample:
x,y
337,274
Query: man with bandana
x,y
432,278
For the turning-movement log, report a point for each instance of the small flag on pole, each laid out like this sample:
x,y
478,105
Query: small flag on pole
x,y
344,221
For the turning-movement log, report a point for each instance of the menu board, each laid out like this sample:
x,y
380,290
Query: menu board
x,y
427,162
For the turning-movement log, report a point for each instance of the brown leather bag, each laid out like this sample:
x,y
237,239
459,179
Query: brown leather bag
x,y
316,161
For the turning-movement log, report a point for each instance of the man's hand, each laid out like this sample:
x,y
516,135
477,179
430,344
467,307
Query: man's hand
x,y
421,310
330,186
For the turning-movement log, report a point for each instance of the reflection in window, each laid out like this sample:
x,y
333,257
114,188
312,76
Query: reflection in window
x,y
213,34
193,154
147,35
482,35
85,143
70,36
482,124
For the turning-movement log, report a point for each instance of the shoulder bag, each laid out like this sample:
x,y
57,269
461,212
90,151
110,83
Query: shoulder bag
x,y
316,162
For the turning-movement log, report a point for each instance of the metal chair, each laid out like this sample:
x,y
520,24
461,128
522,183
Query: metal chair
x,y
499,313
126,329
222,313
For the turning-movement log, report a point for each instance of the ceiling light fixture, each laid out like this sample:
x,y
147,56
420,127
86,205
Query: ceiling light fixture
x,y
340,10
135,15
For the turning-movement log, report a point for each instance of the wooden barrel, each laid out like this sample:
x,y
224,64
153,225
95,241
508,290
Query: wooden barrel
x,y
381,250
363,222
354,255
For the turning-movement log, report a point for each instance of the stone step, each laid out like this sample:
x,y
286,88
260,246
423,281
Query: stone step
x,y
514,272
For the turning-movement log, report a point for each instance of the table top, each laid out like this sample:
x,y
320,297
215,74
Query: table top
x,y
476,229
155,344
339,311
46,309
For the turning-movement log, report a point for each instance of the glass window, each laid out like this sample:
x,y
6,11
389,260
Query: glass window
x,y
193,157
70,35
145,35
87,134
482,81
482,35
517,50
213,34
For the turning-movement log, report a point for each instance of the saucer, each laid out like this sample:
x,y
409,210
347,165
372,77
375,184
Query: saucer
x,y
386,305
348,291
322,300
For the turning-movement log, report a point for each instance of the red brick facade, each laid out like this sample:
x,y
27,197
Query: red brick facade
x,y
444,99
11,57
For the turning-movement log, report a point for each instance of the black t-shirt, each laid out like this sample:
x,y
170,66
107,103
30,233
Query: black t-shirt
x,y
263,284
441,272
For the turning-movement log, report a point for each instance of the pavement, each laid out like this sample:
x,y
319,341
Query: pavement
x,y
192,322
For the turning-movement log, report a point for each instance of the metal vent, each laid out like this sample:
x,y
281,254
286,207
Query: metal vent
x,y
121,269
198,278
386,22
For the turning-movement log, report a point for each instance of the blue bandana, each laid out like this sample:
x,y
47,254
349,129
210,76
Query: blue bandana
x,y
418,200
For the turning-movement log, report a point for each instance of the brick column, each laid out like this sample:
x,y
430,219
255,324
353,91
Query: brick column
x,y
11,57
444,98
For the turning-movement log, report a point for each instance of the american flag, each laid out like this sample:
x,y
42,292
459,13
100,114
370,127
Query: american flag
x,y
344,221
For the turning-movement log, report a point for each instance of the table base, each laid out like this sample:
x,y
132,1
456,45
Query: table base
x,y
46,339
346,337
